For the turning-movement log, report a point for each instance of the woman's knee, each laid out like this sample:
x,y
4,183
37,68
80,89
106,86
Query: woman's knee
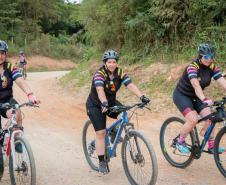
x,y
192,118
101,134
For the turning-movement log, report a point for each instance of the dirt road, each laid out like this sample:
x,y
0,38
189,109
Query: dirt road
x,y
54,132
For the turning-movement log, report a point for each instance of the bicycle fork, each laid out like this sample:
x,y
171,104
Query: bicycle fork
x,y
136,157
19,133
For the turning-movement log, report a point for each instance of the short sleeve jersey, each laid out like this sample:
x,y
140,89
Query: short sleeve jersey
x,y
196,70
111,86
10,74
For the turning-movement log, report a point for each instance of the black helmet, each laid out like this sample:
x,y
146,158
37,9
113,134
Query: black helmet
x,y
21,53
206,49
3,46
110,54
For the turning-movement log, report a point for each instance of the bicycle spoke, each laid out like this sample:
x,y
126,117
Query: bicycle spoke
x,y
139,161
89,148
168,138
222,154
24,171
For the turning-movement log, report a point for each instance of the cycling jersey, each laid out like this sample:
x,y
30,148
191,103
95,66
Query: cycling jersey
x,y
101,78
9,74
200,72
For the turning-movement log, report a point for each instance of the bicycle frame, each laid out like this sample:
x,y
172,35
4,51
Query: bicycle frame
x,y
202,144
123,121
206,135
10,150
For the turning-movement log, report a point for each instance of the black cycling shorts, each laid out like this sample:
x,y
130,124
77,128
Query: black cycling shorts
x,y
98,118
187,104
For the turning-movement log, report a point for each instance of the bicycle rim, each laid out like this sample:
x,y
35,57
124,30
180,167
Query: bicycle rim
x,y
169,132
88,142
25,172
139,159
220,157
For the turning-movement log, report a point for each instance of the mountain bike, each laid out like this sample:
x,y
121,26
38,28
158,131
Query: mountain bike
x,y
169,135
23,72
15,147
138,156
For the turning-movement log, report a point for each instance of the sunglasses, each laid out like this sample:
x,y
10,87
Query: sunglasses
x,y
208,57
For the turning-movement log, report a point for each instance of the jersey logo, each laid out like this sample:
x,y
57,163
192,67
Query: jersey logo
x,y
112,86
4,81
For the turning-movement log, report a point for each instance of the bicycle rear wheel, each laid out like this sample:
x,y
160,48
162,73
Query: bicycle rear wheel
x,y
220,157
168,136
1,163
24,172
139,159
88,143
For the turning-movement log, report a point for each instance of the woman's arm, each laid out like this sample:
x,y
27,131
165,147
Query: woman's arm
x,y
101,94
23,85
222,82
133,88
198,90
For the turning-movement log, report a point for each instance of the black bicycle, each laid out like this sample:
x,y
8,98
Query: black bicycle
x,y
169,135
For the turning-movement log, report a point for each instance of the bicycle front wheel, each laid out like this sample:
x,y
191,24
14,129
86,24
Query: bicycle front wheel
x,y
139,159
220,151
24,172
1,163
168,137
88,143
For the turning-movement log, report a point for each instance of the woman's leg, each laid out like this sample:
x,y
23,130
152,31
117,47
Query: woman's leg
x,y
98,120
191,121
204,112
186,107
100,142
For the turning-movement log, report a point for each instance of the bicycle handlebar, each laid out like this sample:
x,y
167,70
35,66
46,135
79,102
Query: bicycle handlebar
x,y
16,106
219,102
218,115
123,108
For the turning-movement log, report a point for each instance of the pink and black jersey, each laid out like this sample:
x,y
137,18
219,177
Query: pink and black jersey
x,y
111,86
9,74
196,70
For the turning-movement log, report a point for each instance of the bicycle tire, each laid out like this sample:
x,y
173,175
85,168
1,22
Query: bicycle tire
x,y
1,163
13,173
85,147
154,167
217,157
163,145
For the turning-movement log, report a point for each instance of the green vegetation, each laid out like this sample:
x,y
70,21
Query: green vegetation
x,y
144,32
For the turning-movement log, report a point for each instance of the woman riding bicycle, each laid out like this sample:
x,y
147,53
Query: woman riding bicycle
x,y
10,73
22,63
106,82
189,97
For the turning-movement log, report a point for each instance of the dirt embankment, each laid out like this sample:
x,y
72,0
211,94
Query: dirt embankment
x,y
40,63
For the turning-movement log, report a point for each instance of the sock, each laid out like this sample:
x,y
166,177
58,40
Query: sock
x,y
210,143
101,158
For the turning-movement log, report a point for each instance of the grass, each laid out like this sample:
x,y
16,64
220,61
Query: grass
x,y
79,76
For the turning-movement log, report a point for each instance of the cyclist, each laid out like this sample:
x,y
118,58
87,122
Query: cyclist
x,y
189,97
105,84
23,63
10,73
